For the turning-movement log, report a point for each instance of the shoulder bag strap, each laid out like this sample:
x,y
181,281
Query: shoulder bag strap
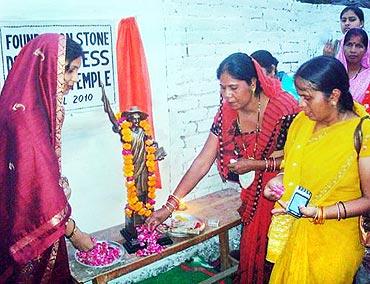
x,y
358,135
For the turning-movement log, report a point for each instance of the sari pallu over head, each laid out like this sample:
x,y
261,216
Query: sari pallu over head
x,y
271,87
33,207
360,82
280,104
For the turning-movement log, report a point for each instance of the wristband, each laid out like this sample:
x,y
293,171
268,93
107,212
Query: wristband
x,y
73,230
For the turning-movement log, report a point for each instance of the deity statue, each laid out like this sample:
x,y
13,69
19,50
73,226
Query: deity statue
x,y
134,115
138,138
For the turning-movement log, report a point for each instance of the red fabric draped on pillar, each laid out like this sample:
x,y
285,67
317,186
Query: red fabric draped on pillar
x,y
132,70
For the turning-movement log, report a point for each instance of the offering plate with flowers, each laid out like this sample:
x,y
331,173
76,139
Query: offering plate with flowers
x,y
182,225
104,254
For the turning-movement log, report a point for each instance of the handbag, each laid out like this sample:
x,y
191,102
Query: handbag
x,y
364,220
365,230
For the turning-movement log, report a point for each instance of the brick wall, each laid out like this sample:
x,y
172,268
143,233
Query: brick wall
x,y
200,34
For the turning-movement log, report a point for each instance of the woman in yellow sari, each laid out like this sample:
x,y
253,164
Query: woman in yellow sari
x,y
323,246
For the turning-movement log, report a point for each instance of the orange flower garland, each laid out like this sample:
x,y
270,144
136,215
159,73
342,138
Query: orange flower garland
x,y
134,205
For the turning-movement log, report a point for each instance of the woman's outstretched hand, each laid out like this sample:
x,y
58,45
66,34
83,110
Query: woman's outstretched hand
x,y
157,218
82,241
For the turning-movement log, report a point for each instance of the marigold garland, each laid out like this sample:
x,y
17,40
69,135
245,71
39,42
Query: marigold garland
x,y
133,202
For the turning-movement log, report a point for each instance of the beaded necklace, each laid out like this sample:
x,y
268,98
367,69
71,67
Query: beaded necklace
x,y
237,150
259,175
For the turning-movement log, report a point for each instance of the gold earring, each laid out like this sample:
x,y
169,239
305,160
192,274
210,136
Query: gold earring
x,y
333,103
253,92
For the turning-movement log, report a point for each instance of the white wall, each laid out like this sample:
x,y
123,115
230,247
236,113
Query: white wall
x,y
91,152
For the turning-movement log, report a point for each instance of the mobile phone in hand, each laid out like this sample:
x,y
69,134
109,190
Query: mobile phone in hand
x,y
301,196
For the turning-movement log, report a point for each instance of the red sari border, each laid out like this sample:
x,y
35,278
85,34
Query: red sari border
x,y
21,246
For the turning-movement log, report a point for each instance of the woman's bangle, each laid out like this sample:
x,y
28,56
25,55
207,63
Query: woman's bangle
x,y
168,209
169,204
73,230
174,201
344,208
320,216
339,214
175,197
280,174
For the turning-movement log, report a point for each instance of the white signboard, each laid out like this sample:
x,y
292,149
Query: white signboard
x,y
97,64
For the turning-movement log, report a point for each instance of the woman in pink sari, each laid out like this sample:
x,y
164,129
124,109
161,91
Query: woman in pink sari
x,y
34,211
354,54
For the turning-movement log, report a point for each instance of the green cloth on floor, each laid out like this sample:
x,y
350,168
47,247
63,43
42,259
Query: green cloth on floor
x,y
186,275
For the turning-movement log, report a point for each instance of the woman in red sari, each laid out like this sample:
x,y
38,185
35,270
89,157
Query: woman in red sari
x,y
34,211
250,126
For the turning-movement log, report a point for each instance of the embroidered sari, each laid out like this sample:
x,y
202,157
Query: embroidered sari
x,y
255,210
33,206
324,162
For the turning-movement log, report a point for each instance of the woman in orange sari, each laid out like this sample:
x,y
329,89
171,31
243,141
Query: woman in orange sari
x,y
323,246
34,211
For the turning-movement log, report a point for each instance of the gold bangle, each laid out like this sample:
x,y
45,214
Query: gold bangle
x,y
320,216
314,219
323,215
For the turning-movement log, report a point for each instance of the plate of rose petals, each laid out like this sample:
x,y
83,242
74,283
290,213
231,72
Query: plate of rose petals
x,y
104,254
182,225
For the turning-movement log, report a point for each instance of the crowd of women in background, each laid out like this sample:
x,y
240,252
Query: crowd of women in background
x,y
353,51
350,17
